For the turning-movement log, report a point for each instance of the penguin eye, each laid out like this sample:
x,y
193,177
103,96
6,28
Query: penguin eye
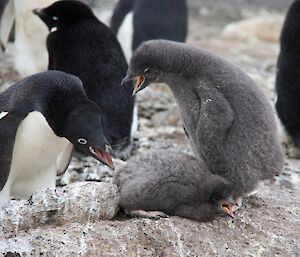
x,y
146,70
82,141
54,18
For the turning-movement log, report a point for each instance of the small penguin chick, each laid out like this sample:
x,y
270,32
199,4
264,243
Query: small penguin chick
x,y
78,43
42,117
172,183
288,78
230,123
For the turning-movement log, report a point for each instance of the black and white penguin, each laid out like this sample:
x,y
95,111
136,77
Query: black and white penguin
x,y
167,182
288,77
29,51
42,118
22,28
6,26
151,19
230,123
78,43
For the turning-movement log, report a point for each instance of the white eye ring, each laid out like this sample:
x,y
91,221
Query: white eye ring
x,y
54,18
146,70
53,29
82,141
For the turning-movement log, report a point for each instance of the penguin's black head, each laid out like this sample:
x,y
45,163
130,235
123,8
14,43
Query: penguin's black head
x,y
220,196
64,13
83,128
144,69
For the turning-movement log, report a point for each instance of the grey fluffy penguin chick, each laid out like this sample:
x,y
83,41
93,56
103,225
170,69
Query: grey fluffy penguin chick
x,y
229,121
159,182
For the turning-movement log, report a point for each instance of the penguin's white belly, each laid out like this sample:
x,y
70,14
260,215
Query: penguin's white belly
x,y
35,156
125,35
30,53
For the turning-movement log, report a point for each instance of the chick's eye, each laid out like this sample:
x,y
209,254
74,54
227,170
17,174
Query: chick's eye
x,y
82,141
54,18
146,70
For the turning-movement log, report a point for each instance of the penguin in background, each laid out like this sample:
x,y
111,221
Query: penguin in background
x,y
5,30
288,78
42,117
230,123
21,27
78,43
136,21
29,50
159,183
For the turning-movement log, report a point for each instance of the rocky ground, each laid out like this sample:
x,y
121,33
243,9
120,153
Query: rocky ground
x,y
267,224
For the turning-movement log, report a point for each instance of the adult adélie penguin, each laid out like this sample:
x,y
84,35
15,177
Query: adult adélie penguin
x,y
288,77
42,117
136,21
80,44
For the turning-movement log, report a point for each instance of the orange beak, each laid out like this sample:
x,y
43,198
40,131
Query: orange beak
x,y
103,156
227,208
139,80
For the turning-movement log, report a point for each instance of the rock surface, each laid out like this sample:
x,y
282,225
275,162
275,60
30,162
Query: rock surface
x,y
78,202
267,225
265,28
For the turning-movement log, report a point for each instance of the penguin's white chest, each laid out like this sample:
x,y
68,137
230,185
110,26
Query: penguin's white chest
x,y
125,34
30,53
36,156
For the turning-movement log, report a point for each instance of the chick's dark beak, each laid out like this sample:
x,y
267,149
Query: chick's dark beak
x,y
39,12
139,80
125,80
103,155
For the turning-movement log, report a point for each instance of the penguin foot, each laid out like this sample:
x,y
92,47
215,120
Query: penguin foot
x,y
148,214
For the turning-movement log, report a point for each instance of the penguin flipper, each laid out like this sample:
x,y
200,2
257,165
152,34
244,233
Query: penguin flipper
x,y
216,115
122,8
63,160
9,123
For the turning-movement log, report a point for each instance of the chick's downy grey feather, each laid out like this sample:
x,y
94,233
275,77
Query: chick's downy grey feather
x,y
172,182
229,121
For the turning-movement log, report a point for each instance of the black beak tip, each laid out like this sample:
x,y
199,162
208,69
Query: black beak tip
x,y
38,11
125,80
112,152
